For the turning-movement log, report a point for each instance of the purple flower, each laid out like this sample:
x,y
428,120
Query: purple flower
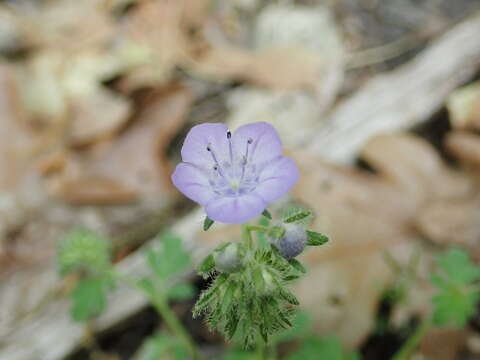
x,y
234,176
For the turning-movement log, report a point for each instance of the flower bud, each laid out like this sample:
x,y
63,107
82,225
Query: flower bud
x,y
293,241
228,259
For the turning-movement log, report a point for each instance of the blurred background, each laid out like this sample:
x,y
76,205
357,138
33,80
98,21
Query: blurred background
x,y
376,100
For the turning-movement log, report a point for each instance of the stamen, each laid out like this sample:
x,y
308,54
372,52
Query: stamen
x,y
230,149
216,165
245,158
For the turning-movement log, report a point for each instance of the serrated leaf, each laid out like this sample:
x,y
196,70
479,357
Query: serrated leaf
x,y
454,308
458,267
315,238
267,214
181,292
82,248
89,298
170,258
455,302
207,223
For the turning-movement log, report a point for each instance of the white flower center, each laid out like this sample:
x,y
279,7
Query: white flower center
x,y
235,177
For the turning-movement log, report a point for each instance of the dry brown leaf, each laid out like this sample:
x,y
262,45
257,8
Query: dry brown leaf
x,y
135,161
464,107
440,344
156,38
16,140
465,146
279,68
69,24
97,116
452,222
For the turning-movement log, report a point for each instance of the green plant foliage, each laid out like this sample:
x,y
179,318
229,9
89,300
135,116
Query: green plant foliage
x,y
207,223
456,299
251,303
261,236
89,298
297,215
179,292
84,250
168,260
267,214
162,346
238,354
326,348
316,239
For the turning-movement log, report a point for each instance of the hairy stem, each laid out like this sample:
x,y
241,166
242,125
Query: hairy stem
x,y
161,305
175,326
413,341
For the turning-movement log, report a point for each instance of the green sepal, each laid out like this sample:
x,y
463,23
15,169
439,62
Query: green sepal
x,y
297,265
316,239
267,214
276,232
207,265
295,215
207,223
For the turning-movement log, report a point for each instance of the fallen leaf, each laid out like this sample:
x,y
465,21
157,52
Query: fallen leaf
x,y
134,163
441,344
464,107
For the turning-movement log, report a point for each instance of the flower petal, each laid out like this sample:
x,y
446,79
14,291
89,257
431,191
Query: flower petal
x,y
266,143
277,178
194,149
235,210
193,183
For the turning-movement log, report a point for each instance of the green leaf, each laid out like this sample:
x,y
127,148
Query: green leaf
x,y
181,292
83,249
328,348
457,266
207,223
267,214
296,215
170,258
162,346
456,298
148,286
89,298
454,307
316,239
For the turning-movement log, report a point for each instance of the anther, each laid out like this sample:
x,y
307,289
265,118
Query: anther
x,y
209,148
250,140
229,134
